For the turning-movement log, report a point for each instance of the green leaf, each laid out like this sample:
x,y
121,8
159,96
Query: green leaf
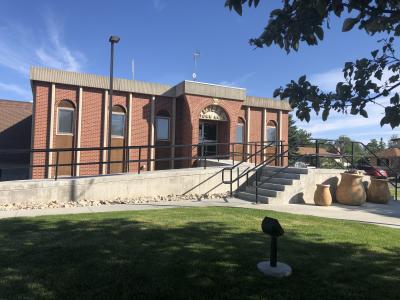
x,y
302,79
353,111
395,99
349,23
237,6
364,113
276,93
319,32
296,45
384,121
374,53
397,31
337,6
325,114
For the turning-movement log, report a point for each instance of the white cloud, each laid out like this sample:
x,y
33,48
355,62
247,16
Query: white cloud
x,y
22,47
16,89
238,82
347,123
327,80
159,4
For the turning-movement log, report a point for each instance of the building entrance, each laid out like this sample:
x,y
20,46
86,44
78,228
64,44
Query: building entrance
x,y
208,134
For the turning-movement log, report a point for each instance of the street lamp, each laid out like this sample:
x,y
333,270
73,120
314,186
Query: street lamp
x,y
113,40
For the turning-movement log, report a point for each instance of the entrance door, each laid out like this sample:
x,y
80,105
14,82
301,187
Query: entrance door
x,y
208,134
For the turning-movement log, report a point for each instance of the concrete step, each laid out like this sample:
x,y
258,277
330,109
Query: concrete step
x,y
251,197
270,186
282,181
280,174
261,191
288,169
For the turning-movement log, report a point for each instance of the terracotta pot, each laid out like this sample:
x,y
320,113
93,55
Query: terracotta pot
x,y
322,195
378,191
350,190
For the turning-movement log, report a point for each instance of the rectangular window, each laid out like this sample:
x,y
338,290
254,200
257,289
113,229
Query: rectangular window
x,y
271,133
382,162
65,121
118,125
162,129
239,133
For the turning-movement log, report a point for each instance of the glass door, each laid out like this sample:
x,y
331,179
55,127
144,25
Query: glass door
x,y
208,135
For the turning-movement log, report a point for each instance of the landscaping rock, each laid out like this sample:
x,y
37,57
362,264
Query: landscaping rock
x,y
116,201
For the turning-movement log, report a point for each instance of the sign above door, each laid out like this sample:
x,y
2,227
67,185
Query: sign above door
x,y
213,112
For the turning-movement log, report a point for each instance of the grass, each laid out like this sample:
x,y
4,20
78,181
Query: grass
x,y
194,253
393,191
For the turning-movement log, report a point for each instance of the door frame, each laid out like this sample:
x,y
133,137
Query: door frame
x,y
201,135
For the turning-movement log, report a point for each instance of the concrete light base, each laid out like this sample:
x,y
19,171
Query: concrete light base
x,y
281,270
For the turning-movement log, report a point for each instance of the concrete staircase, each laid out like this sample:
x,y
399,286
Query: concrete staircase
x,y
277,185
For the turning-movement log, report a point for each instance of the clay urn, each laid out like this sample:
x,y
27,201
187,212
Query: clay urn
x,y
322,195
378,191
350,190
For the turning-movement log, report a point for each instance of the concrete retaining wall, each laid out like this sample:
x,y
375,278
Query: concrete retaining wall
x,y
194,181
302,191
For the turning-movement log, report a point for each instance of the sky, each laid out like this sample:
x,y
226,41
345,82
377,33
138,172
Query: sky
x,y
161,37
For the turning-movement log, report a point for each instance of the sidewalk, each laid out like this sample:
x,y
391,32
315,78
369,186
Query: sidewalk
x,y
384,215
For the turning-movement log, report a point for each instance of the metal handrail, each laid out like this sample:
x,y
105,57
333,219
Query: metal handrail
x,y
231,181
126,161
396,183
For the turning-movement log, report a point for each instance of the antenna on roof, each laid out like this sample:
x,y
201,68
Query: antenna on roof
x,y
133,69
196,56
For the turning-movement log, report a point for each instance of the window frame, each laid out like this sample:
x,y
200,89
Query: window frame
x,y
124,129
242,125
275,127
168,131
58,132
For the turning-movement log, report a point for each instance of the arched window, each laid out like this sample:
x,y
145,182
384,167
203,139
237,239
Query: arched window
x,y
163,126
271,133
65,117
240,131
118,121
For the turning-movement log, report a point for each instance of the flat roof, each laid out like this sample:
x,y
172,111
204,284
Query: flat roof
x,y
156,89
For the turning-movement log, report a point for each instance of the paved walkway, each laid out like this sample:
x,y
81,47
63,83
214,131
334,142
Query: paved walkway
x,y
385,215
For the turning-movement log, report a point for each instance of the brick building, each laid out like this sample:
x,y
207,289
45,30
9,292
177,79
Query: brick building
x,y
15,133
71,110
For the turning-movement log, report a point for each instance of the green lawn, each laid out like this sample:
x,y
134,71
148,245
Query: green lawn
x,y
194,253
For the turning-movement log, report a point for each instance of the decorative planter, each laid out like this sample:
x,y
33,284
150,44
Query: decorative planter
x,y
322,195
350,190
378,191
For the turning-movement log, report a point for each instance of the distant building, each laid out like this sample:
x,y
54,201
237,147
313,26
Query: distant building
x,y
308,155
388,157
15,133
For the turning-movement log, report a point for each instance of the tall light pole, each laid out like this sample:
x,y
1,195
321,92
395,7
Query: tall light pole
x,y
113,40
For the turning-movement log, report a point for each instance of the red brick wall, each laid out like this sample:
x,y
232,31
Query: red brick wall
x,y
40,126
63,92
285,133
91,129
256,125
184,130
163,104
140,132
188,110
197,103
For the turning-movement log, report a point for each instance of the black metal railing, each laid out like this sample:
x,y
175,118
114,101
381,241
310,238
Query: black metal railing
x,y
285,158
275,145
141,156
393,180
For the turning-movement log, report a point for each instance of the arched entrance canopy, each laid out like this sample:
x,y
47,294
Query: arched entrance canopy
x,y
213,129
214,113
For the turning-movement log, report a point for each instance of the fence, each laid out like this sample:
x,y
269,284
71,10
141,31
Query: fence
x,y
133,158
